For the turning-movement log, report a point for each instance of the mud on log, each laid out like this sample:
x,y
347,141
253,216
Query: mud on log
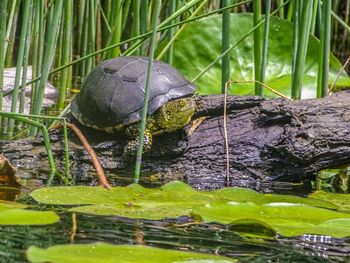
x,y
269,140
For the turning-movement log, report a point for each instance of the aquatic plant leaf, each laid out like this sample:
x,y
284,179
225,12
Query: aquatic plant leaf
x,y
14,214
247,195
134,201
200,43
153,203
268,214
103,252
341,200
285,218
253,227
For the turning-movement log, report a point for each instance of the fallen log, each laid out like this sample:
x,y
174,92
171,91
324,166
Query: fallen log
x,y
268,140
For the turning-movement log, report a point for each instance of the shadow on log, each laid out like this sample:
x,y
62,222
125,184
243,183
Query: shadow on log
x,y
269,140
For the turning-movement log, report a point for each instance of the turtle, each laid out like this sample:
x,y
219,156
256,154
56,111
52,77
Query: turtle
x,y
112,97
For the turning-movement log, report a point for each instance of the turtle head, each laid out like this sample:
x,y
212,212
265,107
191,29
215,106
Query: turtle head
x,y
176,114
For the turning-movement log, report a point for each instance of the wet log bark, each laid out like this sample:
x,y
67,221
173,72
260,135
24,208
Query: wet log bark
x,y
269,140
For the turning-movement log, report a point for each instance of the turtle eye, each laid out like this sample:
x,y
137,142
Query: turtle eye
x,y
182,103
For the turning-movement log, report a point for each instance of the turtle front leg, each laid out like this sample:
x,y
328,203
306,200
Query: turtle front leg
x,y
132,132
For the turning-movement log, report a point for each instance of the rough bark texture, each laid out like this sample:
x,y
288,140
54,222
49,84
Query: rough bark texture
x,y
269,140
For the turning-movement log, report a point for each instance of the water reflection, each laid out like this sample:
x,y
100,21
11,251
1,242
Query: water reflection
x,y
205,238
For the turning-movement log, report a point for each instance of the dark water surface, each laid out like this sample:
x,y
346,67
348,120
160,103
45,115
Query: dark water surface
x,y
203,238
173,234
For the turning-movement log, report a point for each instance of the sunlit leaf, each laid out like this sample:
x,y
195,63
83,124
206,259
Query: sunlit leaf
x,y
341,200
103,252
286,219
14,214
268,214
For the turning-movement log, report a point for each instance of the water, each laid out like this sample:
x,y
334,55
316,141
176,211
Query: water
x,y
172,234
203,238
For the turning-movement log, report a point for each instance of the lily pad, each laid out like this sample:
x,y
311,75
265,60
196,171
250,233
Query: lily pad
x,y
15,214
103,252
283,214
200,43
287,219
341,200
135,201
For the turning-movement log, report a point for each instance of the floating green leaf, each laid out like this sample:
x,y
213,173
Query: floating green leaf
x,y
341,200
266,213
14,214
103,252
133,201
286,219
136,201
199,44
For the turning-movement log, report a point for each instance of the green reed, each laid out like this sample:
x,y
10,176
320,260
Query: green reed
x,y
266,41
155,9
302,39
19,63
225,44
66,54
257,45
3,7
323,66
48,59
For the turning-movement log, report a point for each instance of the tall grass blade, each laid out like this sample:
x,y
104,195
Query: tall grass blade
x,y
37,46
67,33
225,44
25,63
156,8
92,34
11,33
3,8
302,44
136,20
315,16
84,41
116,22
20,57
257,45
143,21
279,3
47,63
170,35
323,66
179,12
265,42
10,21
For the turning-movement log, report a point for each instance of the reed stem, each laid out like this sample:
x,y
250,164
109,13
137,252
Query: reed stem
x,y
257,45
20,58
265,42
156,8
302,44
67,33
170,35
225,44
47,63
323,66
3,8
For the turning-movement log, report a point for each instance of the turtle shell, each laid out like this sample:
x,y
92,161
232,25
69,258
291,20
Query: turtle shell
x,y
113,93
